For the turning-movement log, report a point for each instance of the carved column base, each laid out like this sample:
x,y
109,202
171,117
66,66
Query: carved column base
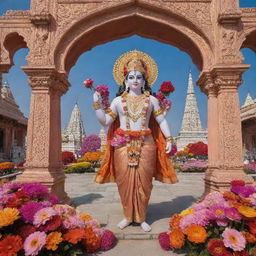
x,y
219,179
50,177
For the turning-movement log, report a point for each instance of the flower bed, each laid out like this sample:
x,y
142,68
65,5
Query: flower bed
x,y
6,168
33,223
80,167
223,224
194,166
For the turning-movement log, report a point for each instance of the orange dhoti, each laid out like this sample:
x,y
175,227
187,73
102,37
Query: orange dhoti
x,y
135,183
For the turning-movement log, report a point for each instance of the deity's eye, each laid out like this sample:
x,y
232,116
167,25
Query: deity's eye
x,y
130,77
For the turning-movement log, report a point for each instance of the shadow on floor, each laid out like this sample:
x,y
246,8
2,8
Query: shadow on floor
x,y
86,199
164,210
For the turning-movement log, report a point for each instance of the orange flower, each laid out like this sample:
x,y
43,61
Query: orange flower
x,y
74,235
8,216
11,245
230,196
247,211
91,242
53,240
92,156
250,238
86,217
177,239
196,234
175,221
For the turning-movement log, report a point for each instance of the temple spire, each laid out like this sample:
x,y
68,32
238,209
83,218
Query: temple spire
x,y
248,100
191,119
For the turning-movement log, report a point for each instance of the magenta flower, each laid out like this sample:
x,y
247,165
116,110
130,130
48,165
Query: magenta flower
x,y
103,90
90,144
36,190
232,213
54,199
34,243
218,212
28,211
244,191
164,241
233,239
107,240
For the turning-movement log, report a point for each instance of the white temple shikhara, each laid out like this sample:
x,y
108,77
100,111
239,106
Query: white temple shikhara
x,y
191,129
73,135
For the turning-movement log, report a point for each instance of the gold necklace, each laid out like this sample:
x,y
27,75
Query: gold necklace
x,y
135,106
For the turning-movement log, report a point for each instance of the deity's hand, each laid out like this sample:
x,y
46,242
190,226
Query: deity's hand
x,y
168,147
97,97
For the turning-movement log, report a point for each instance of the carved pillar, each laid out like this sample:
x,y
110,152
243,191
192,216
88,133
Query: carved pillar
x,y
224,128
43,161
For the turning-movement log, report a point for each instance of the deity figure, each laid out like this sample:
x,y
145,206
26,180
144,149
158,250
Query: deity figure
x,y
138,137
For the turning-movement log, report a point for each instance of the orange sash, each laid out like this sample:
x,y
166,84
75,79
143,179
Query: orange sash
x,y
164,169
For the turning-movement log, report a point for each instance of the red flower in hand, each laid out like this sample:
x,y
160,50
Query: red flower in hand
x,y
88,83
166,88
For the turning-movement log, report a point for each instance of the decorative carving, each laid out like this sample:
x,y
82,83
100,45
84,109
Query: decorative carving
x,y
41,19
16,14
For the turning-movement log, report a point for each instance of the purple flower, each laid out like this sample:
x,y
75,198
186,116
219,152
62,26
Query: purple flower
x,y
28,211
90,144
36,190
232,213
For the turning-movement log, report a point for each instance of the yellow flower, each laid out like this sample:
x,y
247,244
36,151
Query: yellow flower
x,y
187,212
8,216
53,240
247,211
86,217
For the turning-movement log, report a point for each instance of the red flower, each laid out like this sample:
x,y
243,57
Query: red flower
x,y
51,225
252,226
237,183
198,148
10,245
160,97
242,253
25,231
88,83
216,247
18,199
166,88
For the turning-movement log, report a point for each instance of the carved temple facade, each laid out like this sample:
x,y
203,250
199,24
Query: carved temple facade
x,y
13,128
57,32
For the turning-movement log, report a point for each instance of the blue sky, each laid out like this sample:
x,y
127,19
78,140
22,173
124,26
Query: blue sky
x,y
97,63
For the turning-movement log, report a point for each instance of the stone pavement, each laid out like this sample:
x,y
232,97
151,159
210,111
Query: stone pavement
x,y
103,203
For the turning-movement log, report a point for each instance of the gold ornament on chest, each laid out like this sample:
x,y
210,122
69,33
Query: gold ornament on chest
x,y
135,106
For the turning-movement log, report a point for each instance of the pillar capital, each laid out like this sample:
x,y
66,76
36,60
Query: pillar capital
x,y
207,85
47,79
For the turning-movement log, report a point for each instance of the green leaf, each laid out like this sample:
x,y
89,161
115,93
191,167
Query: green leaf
x,y
204,253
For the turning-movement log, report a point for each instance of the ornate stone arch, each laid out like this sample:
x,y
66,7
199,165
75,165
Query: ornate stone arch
x,y
124,20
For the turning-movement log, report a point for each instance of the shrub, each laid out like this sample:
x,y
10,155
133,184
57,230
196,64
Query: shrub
x,y
194,166
79,168
90,144
68,157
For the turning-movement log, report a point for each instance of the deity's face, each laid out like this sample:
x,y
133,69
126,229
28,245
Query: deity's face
x,y
135,80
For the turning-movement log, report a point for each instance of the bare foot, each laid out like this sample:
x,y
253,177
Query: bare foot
x,y
123,224
145,227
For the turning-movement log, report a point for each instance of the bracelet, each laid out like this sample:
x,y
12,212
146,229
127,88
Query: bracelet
x,y
96,105
158,112
111,113
169,139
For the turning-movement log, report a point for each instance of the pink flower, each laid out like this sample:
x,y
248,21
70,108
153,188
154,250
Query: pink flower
x,y
118,141
88,83
232,213
34,243
43,215
218,212
233,239
164,241
222,223
103,90
215,198
72,222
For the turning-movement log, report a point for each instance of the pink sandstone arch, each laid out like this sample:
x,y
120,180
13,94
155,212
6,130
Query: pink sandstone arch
x,y
126,20
212,32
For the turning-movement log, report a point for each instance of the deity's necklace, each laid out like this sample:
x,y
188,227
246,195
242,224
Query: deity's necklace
x,y
134,144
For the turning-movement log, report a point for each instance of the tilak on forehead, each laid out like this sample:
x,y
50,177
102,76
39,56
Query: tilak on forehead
x,y
135,61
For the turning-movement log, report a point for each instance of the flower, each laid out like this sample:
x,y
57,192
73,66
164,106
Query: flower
x,y
166,88
92,242
247,211
218,212
72,222
196,233
174,222
25,230
53,224
18,199
35,190
88,83
10,245
53,240
164,241
232,214
8,216
74,236
108,240
252,227
244,191
103,90
177,239
43,215
250,238
187,212
34,243
237,183
216,247
233,239
28,211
